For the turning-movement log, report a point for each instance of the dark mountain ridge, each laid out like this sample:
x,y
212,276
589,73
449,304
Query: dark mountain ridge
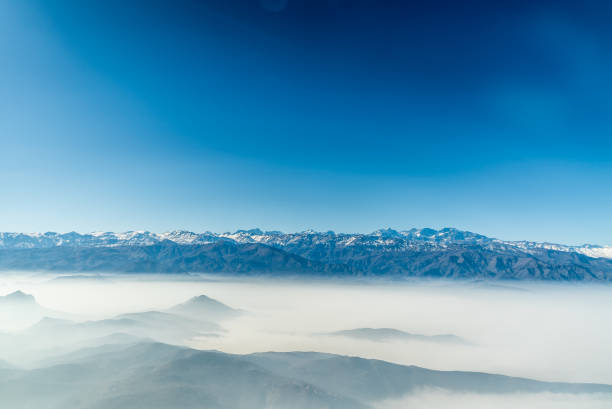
x,y
165,257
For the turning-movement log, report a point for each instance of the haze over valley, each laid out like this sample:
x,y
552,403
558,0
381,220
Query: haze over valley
x,y
74,325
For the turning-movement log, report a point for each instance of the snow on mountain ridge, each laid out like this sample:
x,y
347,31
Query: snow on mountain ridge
x,y
385,239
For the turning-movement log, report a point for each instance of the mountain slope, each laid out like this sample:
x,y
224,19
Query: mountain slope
x,y
370,380
153,375
165,257
162,376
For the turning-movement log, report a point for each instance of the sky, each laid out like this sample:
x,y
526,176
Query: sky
x,y
345,115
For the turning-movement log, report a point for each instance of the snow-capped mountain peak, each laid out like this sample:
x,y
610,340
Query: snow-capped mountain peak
x,y
386,239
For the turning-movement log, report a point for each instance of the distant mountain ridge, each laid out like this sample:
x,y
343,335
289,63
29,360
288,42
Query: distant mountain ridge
x,y
383,238
392,334
448,253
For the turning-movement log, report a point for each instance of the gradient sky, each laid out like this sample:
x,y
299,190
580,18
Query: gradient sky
x,y
346,115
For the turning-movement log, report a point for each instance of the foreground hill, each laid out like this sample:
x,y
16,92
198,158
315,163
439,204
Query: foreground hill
x,y
447,253
153,375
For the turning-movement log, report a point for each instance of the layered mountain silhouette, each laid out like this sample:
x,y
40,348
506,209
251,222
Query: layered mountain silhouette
x,y
197,317
447,253
154,375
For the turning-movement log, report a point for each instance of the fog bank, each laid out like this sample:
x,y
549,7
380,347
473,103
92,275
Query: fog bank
x,y
428,399
547,332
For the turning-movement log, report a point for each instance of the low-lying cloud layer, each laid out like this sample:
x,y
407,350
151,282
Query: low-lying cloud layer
x,y
431,398
546,332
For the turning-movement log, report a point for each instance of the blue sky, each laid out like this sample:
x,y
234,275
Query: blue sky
x,y
346,115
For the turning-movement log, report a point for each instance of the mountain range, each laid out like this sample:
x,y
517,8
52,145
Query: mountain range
x,y
448,253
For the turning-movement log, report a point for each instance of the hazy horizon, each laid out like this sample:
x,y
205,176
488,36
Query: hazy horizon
x,y
480,130
492,319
